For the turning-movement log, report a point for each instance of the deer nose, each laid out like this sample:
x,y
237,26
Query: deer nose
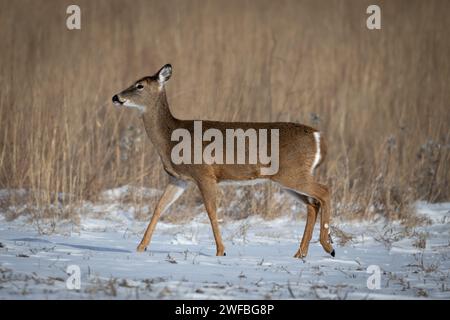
x,y
116,99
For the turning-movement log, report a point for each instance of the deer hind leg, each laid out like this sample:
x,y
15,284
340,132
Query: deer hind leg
x,y
173,191
312,211
320,194
208,189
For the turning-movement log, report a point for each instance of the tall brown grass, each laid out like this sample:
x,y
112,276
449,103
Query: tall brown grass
x,y
382,97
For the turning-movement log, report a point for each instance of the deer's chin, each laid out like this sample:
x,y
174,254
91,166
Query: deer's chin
x,y
132,105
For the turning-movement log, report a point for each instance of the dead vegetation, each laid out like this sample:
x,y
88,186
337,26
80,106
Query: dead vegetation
x,y
381,97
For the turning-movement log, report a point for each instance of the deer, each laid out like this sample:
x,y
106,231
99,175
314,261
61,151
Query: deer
x,y
301,150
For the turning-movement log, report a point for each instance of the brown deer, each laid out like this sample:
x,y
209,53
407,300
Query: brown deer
x,y
301,151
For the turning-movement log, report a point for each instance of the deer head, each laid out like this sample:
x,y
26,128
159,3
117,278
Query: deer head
x,y
140,94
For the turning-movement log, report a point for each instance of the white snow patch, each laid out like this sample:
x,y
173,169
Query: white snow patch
x,y
124,191
181,262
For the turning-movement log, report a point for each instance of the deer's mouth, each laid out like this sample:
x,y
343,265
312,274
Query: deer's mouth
x,y
116,100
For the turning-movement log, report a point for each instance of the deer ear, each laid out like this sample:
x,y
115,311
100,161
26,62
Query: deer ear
x,y
165,73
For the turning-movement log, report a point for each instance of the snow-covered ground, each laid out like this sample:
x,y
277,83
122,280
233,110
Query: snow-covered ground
x,y
180,263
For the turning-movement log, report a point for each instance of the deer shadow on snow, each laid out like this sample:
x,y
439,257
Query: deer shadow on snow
x,y
97,248
76,246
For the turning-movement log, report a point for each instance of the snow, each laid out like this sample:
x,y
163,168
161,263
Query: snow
x,y
180,262
122,192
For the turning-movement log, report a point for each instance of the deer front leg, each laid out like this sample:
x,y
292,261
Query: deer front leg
x,y
208,189
173,191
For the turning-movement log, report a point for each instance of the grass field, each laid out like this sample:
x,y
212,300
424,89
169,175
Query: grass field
x,y
381,97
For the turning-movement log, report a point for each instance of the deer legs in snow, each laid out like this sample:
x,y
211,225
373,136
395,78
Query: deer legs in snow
x,y
173,191
316,196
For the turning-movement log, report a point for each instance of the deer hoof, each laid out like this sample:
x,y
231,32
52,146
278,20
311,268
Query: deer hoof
x,y
299,254
141,248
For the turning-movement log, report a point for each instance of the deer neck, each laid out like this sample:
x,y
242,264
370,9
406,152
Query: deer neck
x,y
159,123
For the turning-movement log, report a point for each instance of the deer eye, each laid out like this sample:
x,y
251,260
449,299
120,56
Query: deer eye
x,y
139,86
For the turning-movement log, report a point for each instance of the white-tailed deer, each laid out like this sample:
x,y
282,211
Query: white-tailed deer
x,y
301,150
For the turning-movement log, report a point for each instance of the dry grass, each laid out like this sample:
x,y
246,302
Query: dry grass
x,y
381,97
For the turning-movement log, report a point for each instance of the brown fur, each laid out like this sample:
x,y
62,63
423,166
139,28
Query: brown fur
x,y
297,149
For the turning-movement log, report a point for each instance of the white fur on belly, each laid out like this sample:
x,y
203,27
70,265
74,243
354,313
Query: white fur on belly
x,y
251,182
